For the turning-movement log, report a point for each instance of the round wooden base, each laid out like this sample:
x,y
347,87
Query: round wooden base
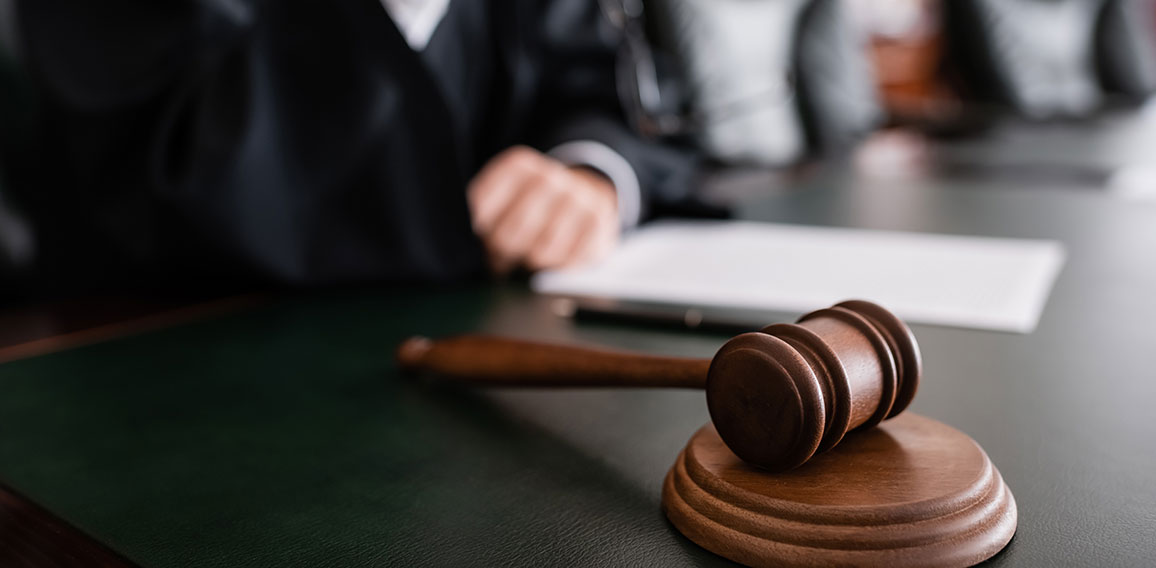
x,y
910,492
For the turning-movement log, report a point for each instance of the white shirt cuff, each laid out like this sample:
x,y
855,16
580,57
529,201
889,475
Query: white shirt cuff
x,y
609,163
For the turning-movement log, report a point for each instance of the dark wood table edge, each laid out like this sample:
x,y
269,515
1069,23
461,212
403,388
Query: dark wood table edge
x,y
33,536
117,329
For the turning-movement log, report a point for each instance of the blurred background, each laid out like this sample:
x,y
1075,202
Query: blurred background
x,y
899,86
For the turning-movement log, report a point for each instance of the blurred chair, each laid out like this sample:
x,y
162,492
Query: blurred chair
x,y
8,40
1052,58
756,82
1126,48
907,52
16,129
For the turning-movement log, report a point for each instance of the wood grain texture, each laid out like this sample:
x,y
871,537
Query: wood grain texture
x,y
36,333
32,537
498,361
912,492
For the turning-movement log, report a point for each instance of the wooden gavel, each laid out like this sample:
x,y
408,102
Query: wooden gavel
x,y
777,396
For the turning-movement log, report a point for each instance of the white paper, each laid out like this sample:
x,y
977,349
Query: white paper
x,y
981,282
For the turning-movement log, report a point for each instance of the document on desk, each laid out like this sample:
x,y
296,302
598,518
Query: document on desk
x,y
980,282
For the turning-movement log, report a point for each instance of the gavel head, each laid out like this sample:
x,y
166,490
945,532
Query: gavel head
x,y
783,394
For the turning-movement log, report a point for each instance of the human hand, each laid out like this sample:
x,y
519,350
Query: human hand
x,y
532,210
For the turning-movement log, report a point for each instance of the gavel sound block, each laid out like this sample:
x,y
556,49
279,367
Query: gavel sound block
x,y
913,492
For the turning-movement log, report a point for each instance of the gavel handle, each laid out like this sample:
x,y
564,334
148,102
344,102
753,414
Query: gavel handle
x,y
496,361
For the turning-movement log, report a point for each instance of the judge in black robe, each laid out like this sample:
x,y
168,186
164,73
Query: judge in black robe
x,y
298,142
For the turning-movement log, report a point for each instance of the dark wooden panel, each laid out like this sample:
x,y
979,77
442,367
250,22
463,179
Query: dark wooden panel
x,y
32,537
45,328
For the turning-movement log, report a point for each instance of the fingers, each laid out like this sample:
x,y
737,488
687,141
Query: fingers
x,y
598,230
496,186
600,237
584,229
558,242
531,210
525,218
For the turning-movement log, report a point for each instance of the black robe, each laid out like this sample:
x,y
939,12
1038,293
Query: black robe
x,y
294,141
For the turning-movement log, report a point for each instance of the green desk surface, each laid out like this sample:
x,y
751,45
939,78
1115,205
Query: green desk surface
x,y
285,436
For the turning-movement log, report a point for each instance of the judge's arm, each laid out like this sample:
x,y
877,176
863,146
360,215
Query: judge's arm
x,y
533,210
591,176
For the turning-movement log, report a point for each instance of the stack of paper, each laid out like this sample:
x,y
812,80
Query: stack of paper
x,y
982,282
